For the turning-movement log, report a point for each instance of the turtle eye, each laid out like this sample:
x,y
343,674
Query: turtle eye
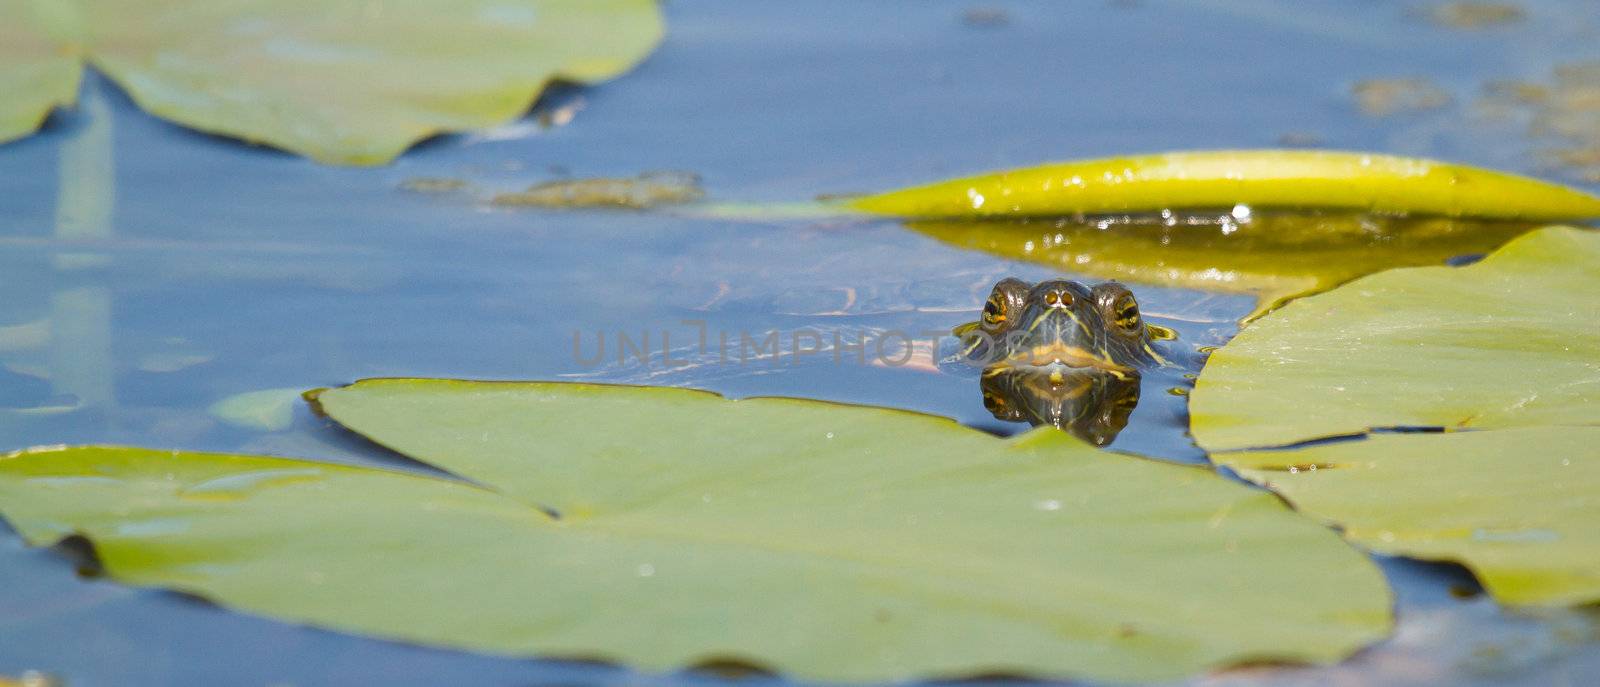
x,y
994,312
1126,312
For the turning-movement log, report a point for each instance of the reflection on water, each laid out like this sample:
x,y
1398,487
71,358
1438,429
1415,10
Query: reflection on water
x,y
80,315
1090,404
1272,256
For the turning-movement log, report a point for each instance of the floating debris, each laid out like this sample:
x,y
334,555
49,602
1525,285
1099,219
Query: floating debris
x,y
1517,91
1474,15
645,191
172,362
1300,139
1564,115
562,115
32,678
1385,97
985,17
433,185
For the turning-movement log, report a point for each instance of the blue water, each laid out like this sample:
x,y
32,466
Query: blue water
x,y
147,272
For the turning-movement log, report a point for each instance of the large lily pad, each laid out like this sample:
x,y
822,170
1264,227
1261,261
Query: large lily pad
x,y
1501,354
1511,341
1517,506
348,81
38,72
1292,179
667,527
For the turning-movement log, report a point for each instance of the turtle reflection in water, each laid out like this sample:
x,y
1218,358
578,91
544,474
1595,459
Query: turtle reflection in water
x,y
1062,353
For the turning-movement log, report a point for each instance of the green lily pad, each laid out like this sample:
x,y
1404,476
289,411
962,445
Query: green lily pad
x,y
341,81
347,82
1516,506
37,72
665,527
1500,354
1275,257
1511,341
1282,179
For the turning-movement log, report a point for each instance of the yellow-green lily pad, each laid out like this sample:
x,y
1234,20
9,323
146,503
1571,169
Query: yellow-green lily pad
x,y
340,81
357,82
38,72
1258,179
1516,506
1274,257
664,528
1502,355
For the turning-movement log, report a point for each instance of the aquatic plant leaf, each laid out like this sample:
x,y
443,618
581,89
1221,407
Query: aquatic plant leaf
x,y
268,410
1511,341
827,542
649,190
1274,256
1285,179
1516,506
356,82
39,70
1500,354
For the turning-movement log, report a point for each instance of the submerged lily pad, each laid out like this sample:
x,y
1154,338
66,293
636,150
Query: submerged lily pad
x,y
668,527
1285,179
1272,256
648,190
268,410
1504,355
37,72
342,81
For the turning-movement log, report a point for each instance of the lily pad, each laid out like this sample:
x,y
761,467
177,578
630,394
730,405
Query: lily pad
x,y
347,81
665,527
1501,355
1516,506
1283,179
38,73
268,410
1273,256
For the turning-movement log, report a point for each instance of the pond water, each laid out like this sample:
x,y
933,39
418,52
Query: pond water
x,y
148,272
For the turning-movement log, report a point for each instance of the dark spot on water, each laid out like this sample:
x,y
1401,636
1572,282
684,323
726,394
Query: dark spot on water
x,y
985,17
1408,429
988,678
80,552
1299,139
1473,14
731,669
1464,260
190,598
433,185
